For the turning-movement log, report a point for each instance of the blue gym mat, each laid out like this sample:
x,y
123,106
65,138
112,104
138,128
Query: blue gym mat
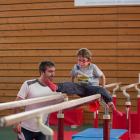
x,y
98,133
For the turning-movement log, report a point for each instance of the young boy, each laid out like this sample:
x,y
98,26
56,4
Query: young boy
x,y
88,75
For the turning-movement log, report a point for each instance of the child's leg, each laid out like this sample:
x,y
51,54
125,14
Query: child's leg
x,y
92,90
66,87
114,110
106,96
52,86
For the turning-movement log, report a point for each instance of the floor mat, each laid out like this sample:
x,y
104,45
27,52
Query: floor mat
x,y
135,137
67,134
8,134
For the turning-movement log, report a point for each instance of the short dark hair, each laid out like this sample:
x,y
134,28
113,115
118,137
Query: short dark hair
x,y
44,64
84,52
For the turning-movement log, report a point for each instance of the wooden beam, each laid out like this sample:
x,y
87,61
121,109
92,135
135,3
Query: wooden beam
x,y
25,102
13,119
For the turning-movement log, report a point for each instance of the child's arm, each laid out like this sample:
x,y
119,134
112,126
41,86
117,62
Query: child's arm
x,y
72,78
103,80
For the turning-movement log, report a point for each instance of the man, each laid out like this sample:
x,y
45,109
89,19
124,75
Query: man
x,y
33,89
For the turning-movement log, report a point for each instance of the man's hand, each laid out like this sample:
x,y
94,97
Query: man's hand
x,y
17,128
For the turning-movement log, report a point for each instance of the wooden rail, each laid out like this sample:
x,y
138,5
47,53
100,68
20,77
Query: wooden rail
x,y
20,103
15,118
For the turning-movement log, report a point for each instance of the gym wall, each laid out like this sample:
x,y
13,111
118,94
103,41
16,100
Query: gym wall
x,y
35,30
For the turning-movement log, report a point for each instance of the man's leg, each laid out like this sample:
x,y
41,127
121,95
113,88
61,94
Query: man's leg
x,y
39,136
28,135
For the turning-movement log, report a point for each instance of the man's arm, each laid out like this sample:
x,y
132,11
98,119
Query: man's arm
x,y
103,80
17,127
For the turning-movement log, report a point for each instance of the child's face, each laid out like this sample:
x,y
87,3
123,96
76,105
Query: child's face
x,y
83,62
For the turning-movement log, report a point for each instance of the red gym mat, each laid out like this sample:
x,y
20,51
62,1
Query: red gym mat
x,y
72,117
135,137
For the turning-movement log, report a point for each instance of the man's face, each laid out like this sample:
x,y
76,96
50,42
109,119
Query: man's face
x,y
49,73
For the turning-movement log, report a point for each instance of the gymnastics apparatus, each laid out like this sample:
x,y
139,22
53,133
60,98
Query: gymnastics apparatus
x,y
105,134
95,123
37,113
125,122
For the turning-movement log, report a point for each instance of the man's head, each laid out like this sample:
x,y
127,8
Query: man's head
x,y
47,69
83,57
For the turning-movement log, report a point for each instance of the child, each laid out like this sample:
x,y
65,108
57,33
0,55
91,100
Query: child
x,y
88,75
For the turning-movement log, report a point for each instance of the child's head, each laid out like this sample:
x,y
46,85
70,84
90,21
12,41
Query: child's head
x,y
84,52
83,57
